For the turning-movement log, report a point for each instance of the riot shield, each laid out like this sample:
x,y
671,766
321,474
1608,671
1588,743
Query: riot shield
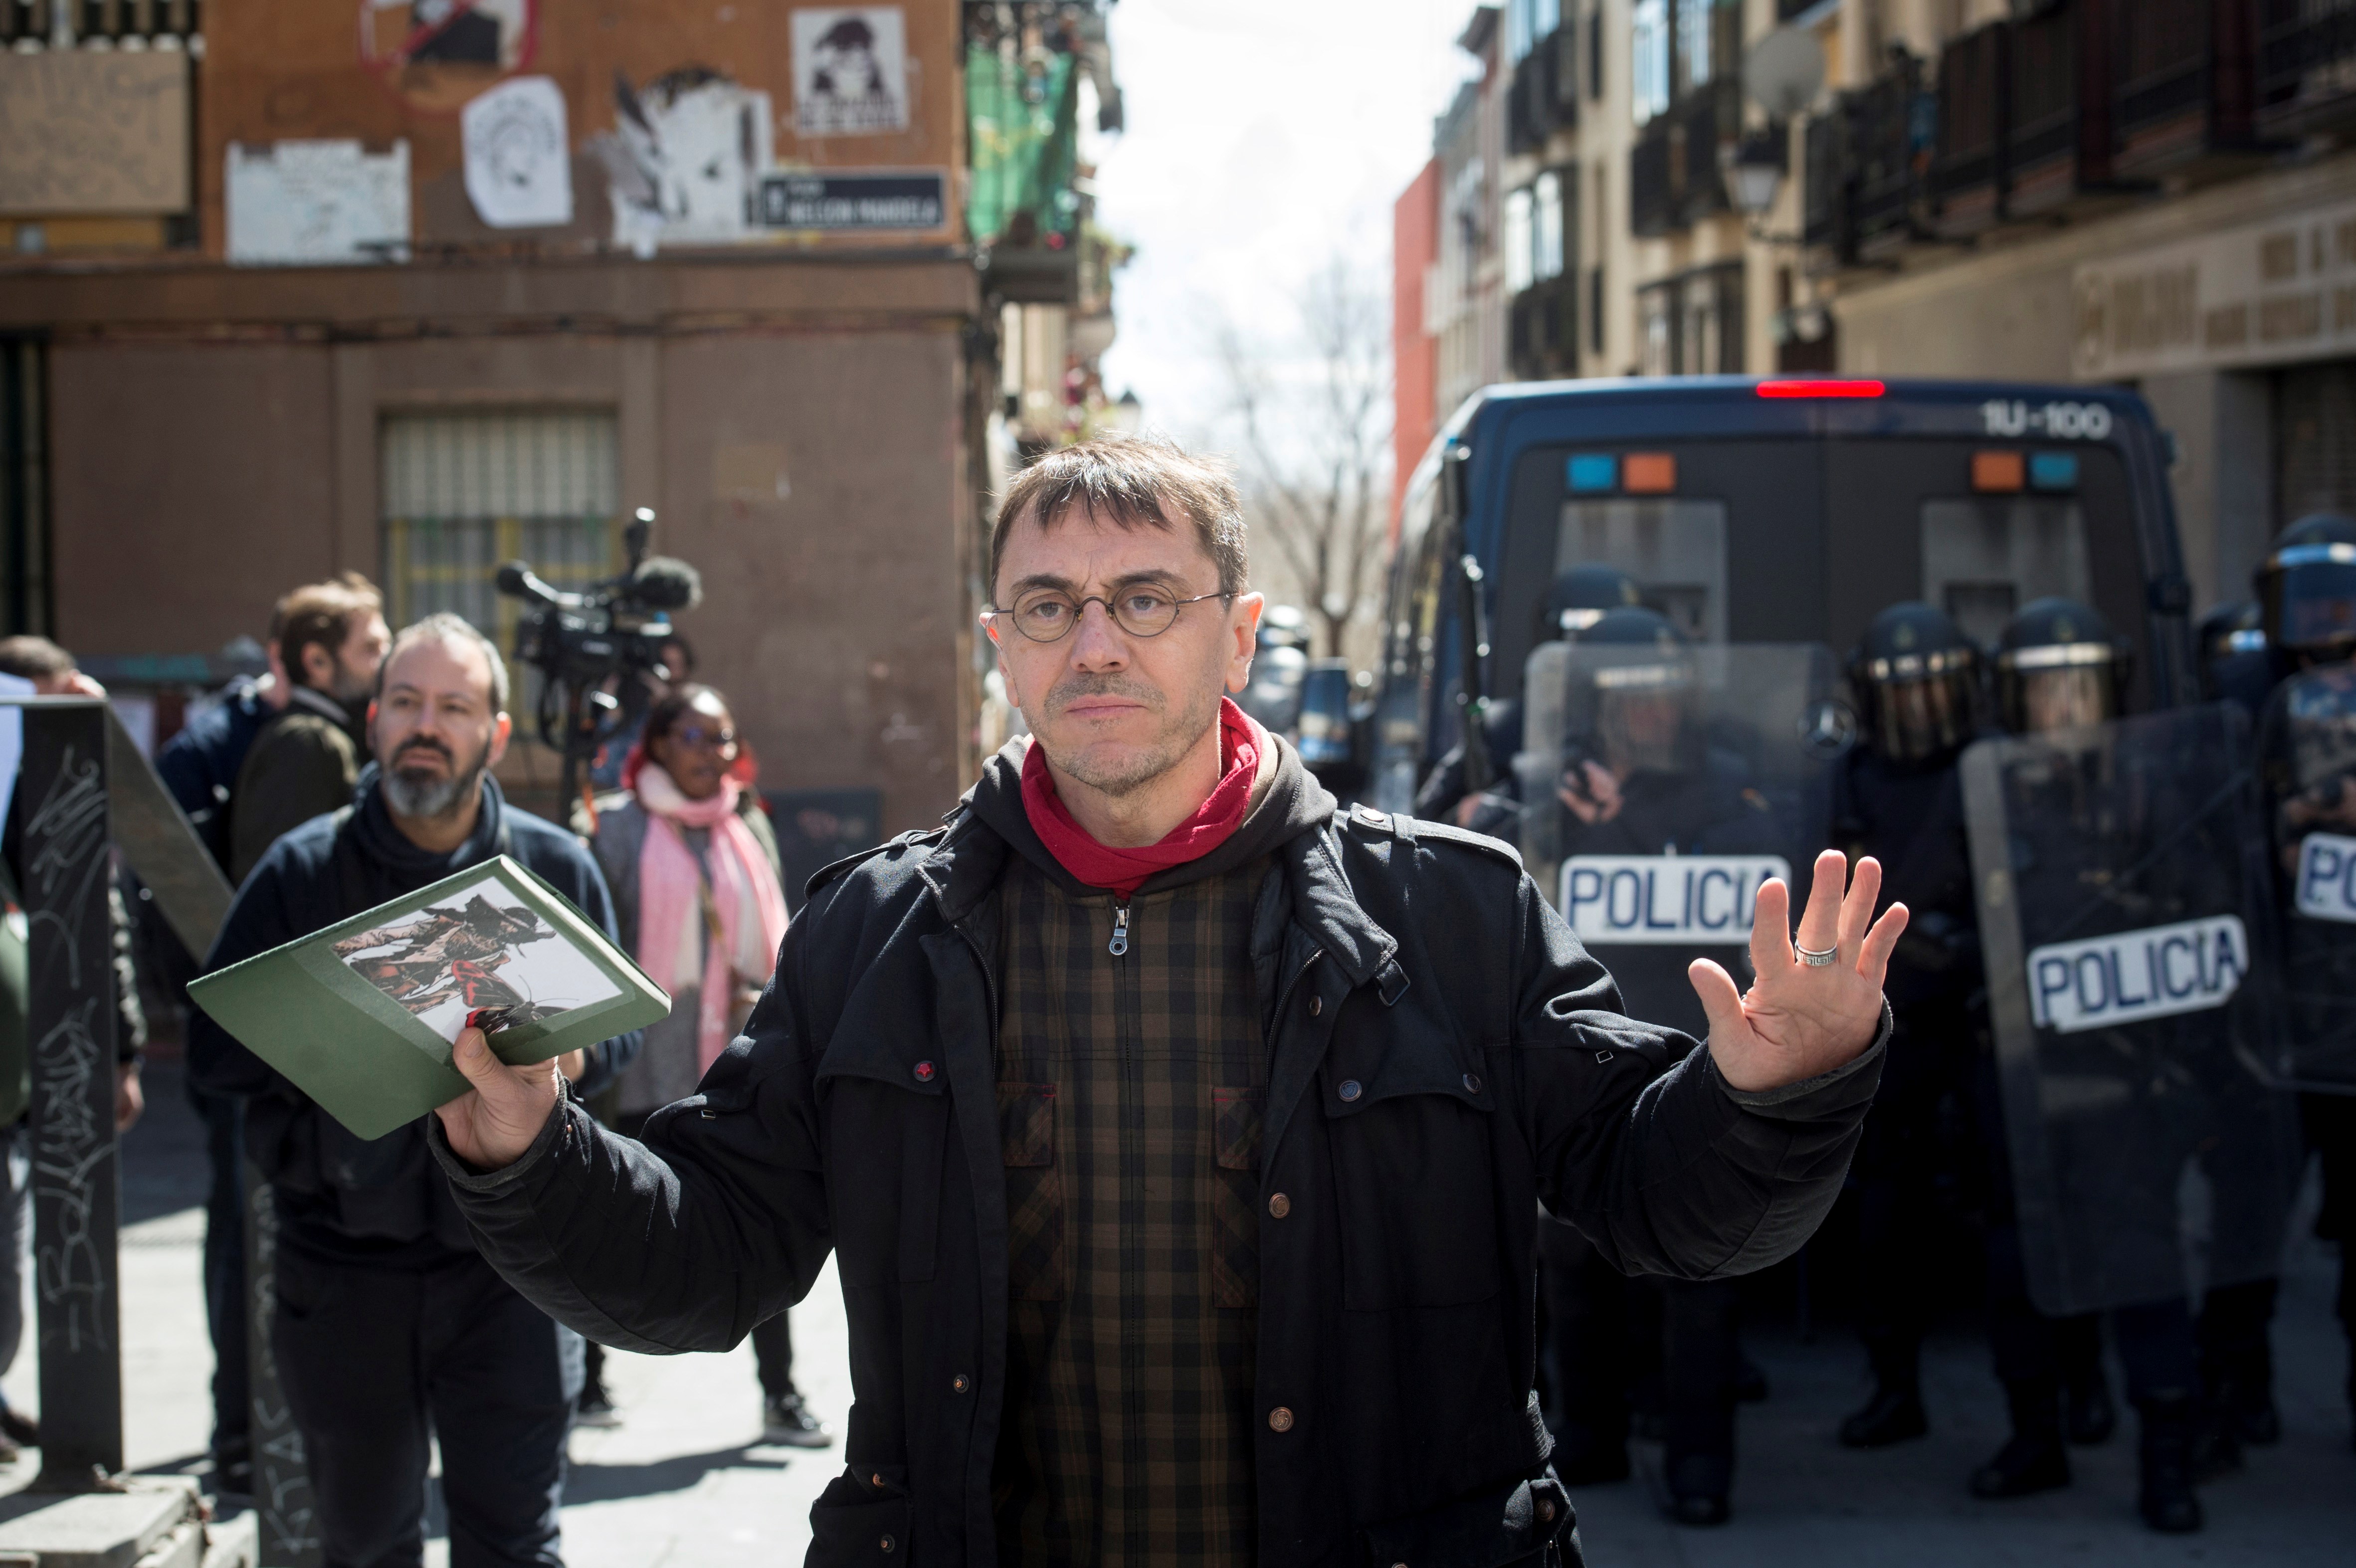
x,y
2307,769
2123,915
1661,786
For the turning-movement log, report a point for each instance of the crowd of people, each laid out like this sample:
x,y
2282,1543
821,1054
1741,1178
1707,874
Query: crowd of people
x,y
357,768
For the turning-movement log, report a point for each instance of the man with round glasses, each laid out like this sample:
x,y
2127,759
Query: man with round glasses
x,y
1176,1131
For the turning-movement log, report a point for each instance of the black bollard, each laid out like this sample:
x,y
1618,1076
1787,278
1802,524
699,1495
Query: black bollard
x,y
281,1482
70,1024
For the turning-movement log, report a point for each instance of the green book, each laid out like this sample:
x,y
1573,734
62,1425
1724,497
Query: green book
x,y
363,1016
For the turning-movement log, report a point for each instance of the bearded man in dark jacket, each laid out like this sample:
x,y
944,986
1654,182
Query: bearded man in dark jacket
x,y
389,1330
1177,1133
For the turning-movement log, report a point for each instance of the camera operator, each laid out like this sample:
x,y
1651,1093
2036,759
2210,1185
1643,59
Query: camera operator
x,y
391,1327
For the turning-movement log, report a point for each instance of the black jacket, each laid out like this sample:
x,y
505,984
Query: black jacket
x,y
1444,1055
381,1203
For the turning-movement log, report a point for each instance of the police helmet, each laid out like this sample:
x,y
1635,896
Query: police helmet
x,y
2058,667
1284,625
1647,699
1917,676
2230,636
2307,591
1583,595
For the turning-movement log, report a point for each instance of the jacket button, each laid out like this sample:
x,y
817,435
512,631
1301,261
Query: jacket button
x,y
923,1072
1280,1206
1316,1005
1350,1090
960,1383
1279,1419
888,1543
1546,1511
1471,1083
877,1480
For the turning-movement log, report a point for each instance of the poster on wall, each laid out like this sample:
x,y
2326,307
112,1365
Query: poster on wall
x,y
519,161
437,55
851,70
304,203
685,159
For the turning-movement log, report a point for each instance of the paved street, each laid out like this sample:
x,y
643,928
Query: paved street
x,y
683,1484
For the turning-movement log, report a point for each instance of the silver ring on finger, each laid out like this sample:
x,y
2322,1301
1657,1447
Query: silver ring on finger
x,y
1815,959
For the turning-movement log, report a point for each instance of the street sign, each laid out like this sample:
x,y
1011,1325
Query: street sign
x,y
836,202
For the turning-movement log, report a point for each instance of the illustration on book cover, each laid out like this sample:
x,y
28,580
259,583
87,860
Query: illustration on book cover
x,y
479,954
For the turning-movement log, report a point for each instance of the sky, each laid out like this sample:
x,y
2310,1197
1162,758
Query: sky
x,y
1263,138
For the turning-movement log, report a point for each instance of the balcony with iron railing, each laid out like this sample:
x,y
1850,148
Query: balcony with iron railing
x,y
1967,178
1542,331
2182,84
1893,123
1543,95
2305,75
1675,174
2057,144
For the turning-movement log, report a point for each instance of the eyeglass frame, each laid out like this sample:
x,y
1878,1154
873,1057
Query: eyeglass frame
x,y
1080,610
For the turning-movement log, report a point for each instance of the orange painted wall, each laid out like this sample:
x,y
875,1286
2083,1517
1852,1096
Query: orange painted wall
x,y
1415,355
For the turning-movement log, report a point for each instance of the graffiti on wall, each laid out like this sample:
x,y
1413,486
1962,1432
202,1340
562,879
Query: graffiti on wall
x,y
685,158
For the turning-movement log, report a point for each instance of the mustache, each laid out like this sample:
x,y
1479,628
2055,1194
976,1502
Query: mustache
x,y
1071,689
421,743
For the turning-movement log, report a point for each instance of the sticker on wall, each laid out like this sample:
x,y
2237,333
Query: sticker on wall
x,y
437,55
304,203
851,70
518,162
685,158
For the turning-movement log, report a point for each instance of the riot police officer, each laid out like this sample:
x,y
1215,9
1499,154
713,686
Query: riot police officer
x,y
2306,597
1576,600
2306,593
2058,668
1917,680
1643,779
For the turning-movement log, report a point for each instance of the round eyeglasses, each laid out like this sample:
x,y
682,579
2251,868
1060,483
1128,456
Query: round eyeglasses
x,y
1049,617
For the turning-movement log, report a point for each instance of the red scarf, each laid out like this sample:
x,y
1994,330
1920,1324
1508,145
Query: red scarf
x,y
1242,743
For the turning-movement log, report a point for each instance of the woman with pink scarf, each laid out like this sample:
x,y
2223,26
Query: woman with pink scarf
x,y
693,863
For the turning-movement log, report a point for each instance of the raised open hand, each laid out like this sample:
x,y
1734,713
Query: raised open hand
x,y
1798,1020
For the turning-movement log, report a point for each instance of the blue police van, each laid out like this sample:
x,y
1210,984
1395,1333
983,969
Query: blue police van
x,y
1787,509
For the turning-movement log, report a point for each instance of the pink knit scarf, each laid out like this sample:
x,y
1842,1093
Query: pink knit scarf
x,y
672,896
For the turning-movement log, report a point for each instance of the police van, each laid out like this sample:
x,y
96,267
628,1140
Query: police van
x,y
1780,510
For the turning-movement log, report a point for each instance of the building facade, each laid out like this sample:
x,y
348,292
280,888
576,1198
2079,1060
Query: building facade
x,y
279,298
2156,194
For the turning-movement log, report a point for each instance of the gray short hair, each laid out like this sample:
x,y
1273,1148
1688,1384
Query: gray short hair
x,y
443,626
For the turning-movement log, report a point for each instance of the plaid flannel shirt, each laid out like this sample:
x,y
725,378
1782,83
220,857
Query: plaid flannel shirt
x,y
1130,1093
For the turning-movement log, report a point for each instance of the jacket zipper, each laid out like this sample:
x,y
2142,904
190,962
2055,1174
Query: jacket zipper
x,y
1132,1266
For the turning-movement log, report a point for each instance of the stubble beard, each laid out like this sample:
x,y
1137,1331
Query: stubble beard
x,y
1126,774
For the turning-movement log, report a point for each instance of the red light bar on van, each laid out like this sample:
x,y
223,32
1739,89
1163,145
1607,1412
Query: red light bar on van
x,y
1821,389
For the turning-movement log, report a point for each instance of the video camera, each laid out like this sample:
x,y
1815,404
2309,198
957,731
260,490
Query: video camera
x,y
594,648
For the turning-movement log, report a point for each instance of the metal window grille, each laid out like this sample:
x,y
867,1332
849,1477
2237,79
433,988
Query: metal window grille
x,y
461,492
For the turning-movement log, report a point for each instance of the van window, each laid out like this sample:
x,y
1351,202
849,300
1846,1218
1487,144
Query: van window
x,y
1984,557
1675,549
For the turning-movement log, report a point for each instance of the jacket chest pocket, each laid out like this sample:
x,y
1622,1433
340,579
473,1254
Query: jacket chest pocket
x,y
887,1219
1236,1116
1034,1191
1414,1186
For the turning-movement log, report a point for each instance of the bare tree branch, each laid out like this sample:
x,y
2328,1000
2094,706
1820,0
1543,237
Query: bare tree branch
x,y
1313,418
